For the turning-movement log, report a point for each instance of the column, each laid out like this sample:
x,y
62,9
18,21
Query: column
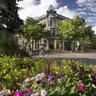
x,y
39,44
42,41
55,44
33,44
47,45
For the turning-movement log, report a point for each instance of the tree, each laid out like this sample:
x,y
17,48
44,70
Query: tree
x,y
8,44
86,36
9,19
9,24
70,29
75,30
93,40
33,30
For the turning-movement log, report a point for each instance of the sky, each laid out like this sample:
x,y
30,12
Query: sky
x,y
69,8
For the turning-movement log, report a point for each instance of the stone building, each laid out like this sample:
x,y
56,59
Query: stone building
x,y
50,19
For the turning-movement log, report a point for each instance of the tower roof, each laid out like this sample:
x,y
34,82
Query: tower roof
x,y
51,9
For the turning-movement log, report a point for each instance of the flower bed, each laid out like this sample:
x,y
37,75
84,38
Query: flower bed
x,y
59,51
49,77
92,50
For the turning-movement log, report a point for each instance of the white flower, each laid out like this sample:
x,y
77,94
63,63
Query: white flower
x,y
43,93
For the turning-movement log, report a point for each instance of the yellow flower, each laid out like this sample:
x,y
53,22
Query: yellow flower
x,y
56,72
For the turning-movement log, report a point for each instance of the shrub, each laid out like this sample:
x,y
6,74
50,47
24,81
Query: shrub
x,y
13,71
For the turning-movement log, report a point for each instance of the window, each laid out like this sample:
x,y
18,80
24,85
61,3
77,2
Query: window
x,y
52,31
51,21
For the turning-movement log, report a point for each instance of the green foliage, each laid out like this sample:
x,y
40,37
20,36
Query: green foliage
x,y
68,74
32,29
8,44
93,40
43,65
64,76
66,29
9,23
75,30
13,71
9,15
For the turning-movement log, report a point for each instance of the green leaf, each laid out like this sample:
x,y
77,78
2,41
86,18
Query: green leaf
x,y
94,86
72,91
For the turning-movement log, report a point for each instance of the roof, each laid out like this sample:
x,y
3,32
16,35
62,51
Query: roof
x,y
41,17
57,16
61,16
51,9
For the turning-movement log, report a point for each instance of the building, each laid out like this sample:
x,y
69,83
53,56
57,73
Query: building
x,y
50,19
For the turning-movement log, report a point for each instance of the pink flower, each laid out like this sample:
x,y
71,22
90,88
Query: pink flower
x,y
43,93
80,87
19,93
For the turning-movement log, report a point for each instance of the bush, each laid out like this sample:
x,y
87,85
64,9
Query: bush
x,y
13,71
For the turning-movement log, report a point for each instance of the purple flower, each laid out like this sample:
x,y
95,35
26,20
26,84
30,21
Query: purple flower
x,y
38,81
94,82
43,84
52,79
80,87
40,77
29,90
43,93
49,79
93,76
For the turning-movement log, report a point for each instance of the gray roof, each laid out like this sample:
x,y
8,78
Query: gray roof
x,y
61,17
57,16
51,9
41,17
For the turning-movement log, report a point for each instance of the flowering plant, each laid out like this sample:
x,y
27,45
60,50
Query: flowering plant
x,y
47,77
67,78
80,87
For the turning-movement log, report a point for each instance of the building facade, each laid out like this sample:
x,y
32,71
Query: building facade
x,y
50,19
